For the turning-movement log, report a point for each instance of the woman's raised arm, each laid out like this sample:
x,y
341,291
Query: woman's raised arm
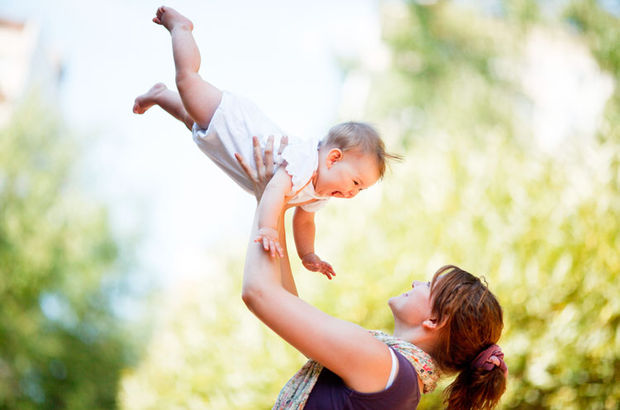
x,y
363,362
260,176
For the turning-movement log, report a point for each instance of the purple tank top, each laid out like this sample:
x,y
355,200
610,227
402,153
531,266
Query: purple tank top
x,y
330,392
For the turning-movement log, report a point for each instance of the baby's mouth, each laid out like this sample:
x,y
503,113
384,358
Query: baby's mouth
x,y
336,193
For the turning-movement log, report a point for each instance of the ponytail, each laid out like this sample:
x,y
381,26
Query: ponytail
x,y
476,388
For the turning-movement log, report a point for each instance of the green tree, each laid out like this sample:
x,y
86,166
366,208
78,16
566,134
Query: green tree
x,y
474,190
207,350
61,345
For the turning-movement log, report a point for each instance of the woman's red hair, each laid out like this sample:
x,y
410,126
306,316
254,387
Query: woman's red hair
x,y
470,319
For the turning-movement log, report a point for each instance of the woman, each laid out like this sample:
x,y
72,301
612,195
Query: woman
x,y
448,325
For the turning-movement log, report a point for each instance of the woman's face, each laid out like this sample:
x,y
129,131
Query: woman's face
x,y
414,306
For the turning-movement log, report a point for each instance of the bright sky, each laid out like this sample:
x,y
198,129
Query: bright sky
x,y
279,53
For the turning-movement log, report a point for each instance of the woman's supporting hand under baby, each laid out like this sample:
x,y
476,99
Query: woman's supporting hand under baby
x,y
263,172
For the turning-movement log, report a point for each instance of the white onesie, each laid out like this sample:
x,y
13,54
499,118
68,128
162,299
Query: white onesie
x,y
234,123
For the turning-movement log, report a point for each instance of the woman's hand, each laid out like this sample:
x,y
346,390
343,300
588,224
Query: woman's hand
x,y
264,164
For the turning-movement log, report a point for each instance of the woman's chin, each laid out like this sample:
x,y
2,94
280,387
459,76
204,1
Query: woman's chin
x,y
392,302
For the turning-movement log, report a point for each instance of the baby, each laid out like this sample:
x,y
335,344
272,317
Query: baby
x,y
350,158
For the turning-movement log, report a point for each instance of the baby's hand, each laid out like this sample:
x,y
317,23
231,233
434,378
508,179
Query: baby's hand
x,y
269,238
313,263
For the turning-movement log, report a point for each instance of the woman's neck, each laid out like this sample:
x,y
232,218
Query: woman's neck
x,y
416,336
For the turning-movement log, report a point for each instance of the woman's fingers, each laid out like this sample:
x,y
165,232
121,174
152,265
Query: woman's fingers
x,y
283,144
246,168
268,159
258,158
264,161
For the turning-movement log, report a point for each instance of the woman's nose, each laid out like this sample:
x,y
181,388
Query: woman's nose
x,y
414,283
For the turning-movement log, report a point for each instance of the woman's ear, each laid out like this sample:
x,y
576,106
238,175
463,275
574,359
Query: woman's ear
x,y
433,324
334,155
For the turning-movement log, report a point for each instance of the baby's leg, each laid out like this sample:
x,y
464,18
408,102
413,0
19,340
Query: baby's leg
x,y
200,98
167,99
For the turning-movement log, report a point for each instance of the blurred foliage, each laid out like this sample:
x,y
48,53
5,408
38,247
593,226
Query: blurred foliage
x,y
61,346
476,190
207,349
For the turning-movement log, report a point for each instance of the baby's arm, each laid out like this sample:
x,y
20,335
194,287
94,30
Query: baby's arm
x,y
304,233
270,208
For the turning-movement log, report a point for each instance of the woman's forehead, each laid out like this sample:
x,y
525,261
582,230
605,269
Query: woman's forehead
x,y
436,278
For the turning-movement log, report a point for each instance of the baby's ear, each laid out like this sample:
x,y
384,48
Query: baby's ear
x,y
334,155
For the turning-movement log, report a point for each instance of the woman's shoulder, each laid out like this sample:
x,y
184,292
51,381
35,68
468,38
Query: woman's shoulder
x,y
407,374
425,367
403,393
331,392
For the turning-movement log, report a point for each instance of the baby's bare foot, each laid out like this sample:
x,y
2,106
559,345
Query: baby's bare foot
x,y
170,18
148,99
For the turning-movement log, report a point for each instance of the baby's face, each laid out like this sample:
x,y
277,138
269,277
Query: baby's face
x,y
347,175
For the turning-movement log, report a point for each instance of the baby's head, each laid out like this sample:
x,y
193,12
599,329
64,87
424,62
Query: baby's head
x,y
352,157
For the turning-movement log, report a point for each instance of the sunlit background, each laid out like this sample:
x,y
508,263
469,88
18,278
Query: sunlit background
x,y
122,245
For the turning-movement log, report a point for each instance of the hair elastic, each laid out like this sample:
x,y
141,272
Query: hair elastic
x,y
490,358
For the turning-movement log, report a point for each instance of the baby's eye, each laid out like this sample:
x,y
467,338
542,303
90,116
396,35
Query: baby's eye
x,y
356,183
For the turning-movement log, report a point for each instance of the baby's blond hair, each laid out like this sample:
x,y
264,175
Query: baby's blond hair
x,y
361,136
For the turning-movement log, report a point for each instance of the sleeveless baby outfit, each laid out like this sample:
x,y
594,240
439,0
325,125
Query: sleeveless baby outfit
x,y
234,123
